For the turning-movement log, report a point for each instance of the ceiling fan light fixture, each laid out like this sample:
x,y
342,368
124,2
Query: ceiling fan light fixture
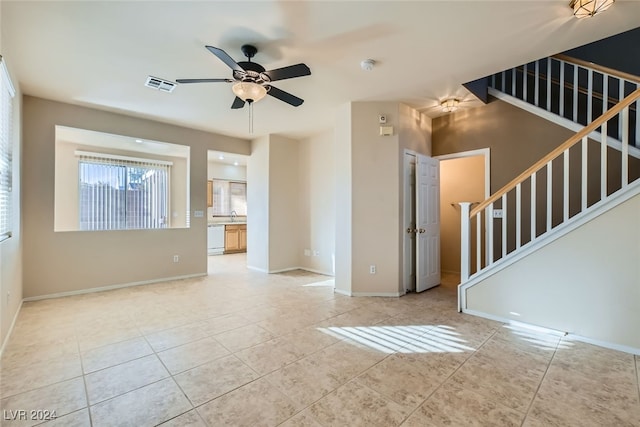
x,y
589,8
450,105
249,91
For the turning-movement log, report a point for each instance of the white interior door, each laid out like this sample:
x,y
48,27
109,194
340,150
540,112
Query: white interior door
x,y
409,223
427,222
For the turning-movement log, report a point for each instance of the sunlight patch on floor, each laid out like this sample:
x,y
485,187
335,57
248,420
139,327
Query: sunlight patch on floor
x,y
331,283
403,339
541,338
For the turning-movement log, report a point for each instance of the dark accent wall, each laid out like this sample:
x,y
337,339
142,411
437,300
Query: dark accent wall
x,y
620,52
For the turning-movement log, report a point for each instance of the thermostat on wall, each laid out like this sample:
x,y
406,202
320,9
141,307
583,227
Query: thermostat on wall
x,y
386,130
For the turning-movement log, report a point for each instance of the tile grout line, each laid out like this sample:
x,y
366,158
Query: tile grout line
x,y
541,381
84,382
172,379
449,376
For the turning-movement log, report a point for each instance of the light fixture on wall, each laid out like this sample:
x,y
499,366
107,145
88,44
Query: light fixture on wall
x,y
589,8
449,105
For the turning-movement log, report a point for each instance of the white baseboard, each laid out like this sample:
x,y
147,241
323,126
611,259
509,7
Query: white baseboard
x,y
606,344
112,287
565,335
368,294
376,294
284,270
10,331
313,270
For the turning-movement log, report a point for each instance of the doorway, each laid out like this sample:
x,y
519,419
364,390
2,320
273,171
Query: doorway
x,y
227,208
421,222
464,177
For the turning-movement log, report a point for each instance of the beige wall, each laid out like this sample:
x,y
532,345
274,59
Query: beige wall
x,y
517,138
273,174
11,260
225,171
258,201
372,203
284,204
66,184
317,203
585,283
461,180
74,261
343,193
217,170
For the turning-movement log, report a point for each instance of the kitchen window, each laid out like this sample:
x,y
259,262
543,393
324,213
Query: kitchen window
x,y
7,93
121,193
228,197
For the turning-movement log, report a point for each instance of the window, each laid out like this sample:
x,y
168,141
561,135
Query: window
x,y
228,197
119,193
6,143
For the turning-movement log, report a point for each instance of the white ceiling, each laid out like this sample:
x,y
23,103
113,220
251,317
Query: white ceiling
x,y
100,53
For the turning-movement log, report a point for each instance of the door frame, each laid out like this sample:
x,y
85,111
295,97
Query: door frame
x,y
486,152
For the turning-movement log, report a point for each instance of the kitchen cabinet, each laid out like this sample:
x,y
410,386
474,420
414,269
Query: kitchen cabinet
x,y
235,238
210,194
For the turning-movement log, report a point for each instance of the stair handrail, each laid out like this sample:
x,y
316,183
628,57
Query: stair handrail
x,y
603,70
574,139
600,68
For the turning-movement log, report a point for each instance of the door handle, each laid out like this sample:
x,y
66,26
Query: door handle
x,y
411,230
421,230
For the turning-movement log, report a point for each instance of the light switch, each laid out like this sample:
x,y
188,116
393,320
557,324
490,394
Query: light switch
x,y
386,130
198,214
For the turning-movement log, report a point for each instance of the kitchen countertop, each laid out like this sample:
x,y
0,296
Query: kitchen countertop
x,y
228,223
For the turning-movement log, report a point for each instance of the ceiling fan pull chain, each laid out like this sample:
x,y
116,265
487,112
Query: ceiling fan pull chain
x,y
251,117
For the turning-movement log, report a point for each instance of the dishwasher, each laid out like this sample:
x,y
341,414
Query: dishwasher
x,y
215,239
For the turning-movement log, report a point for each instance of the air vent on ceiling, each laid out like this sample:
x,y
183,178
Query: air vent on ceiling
x,y
160,84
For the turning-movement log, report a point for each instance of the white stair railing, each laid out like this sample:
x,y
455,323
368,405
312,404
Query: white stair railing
x,y
572,89
557,188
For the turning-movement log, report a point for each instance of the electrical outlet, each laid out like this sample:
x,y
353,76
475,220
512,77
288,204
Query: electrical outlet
x,y
497,213
307,252
198,214
176,258
316,253
372,269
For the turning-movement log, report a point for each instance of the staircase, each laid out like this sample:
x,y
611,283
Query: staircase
x,y
592,172
569,92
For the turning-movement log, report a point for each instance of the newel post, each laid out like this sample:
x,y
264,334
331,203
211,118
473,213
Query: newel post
x,y
465,241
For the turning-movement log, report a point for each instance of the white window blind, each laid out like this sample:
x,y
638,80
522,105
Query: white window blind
x,y
119,193
229,196
7,93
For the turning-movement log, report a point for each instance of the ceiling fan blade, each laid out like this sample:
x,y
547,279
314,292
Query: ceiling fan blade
x,y
285,96
237,103
224,57
289,72
203,80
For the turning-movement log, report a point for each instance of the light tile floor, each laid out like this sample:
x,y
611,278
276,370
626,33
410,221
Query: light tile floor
x,y
244,348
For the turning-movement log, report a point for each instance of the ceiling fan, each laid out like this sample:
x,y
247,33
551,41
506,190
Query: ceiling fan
x,y
251,81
